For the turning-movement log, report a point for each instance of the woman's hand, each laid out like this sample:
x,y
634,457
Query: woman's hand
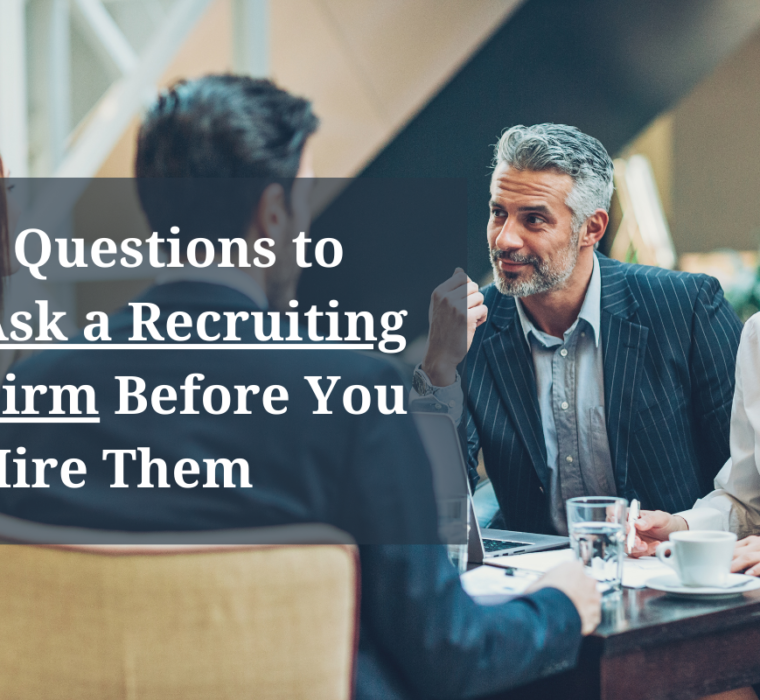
x,y
747,556
653,527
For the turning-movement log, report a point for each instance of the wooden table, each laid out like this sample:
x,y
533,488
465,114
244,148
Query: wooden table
x,y
651,646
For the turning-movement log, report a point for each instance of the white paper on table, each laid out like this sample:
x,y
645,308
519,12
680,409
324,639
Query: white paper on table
x,y
636,572
488,581
539,562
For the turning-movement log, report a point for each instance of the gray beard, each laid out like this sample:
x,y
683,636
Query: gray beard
x,y
545,277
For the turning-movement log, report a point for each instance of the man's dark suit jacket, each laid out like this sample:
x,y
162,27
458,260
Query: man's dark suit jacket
x,y
669,343
421,635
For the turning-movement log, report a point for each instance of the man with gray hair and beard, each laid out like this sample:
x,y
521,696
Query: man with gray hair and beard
x,y
584,376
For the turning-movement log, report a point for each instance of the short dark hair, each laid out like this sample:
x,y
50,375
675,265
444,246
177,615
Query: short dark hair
x,y
247,131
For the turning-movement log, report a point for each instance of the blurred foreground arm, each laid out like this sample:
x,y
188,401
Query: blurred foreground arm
x,y
444,645
571,579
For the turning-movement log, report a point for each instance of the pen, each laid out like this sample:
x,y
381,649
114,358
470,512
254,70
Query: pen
x,y
512,571
633,515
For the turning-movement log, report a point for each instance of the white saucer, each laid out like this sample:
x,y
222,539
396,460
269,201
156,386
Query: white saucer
x,y
670,584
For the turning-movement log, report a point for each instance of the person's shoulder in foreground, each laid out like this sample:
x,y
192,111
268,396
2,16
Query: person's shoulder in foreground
x,y
421,635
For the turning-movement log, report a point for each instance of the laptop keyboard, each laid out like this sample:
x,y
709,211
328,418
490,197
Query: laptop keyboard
x,y
499,545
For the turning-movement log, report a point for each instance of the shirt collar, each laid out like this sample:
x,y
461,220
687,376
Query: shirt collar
x,y
228,277
591,310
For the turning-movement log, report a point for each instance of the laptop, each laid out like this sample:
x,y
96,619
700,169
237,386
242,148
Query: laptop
x,y
451,485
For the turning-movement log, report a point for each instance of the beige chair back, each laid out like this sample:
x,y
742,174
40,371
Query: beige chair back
x,y
147,622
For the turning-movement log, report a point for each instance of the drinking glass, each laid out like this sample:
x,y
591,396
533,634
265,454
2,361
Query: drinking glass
x,y
458,557
596,525
454,528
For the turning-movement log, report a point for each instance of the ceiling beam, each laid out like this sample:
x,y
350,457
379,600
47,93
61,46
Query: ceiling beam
x,y
251,37
104,35
127,96
110,117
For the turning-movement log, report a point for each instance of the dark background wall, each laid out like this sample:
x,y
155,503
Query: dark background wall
x,y
607,67
716,158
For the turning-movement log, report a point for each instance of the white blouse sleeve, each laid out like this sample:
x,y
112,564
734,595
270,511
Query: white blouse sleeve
x,y
735,503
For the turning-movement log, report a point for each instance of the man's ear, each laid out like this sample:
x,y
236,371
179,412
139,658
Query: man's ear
x,y
271,217
594,228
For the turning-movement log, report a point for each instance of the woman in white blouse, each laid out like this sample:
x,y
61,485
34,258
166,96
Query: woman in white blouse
x,y
735,503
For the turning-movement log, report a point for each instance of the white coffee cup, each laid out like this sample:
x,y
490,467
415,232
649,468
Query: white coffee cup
x,y
699,557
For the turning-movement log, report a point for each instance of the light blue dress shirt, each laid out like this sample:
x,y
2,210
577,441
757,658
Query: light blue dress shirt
x,y
570,385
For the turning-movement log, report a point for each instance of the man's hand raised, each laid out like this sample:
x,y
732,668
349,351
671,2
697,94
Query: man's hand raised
x,y
747,556
456,310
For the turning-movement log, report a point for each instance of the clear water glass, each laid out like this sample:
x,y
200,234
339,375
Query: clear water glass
x,y
453,528
458,557
596,525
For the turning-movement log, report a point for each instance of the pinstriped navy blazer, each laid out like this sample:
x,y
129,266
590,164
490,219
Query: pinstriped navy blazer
x,y
669,342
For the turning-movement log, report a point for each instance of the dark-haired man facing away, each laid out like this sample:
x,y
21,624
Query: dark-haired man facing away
x,y
421,635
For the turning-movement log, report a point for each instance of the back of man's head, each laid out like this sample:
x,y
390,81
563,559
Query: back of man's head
x,y
248,132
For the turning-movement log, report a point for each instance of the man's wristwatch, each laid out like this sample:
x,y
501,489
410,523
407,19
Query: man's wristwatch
x,y
422,384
